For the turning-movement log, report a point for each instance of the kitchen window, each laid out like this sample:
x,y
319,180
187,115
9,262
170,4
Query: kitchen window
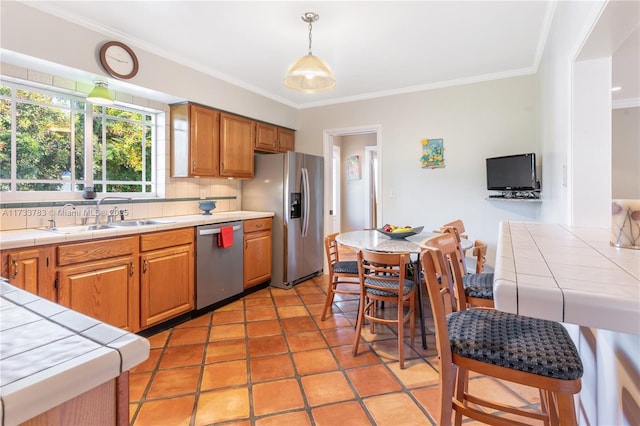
x,y
56,142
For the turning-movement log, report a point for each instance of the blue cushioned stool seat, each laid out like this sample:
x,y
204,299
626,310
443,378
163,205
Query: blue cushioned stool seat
x,y
408,287
517,342
478,285
346,267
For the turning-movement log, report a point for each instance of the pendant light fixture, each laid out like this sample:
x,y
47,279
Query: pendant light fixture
x,y
309,73
100,94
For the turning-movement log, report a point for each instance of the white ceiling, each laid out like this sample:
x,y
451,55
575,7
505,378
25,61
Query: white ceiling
x,y
373,48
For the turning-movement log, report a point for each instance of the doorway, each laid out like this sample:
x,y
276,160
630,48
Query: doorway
x,y
364,209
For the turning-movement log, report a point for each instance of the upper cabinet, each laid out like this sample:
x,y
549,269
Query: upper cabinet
x,y
286,140
209,143
266,137
237,136
270,138
195,141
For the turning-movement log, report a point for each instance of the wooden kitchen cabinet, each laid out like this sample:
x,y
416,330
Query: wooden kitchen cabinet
x,y
195,141
31,269
286,140
208,143
237,136
266,138
167,277
257,251
270,138
100,279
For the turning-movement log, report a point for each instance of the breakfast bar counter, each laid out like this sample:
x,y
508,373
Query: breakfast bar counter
x,y
567,274
51,355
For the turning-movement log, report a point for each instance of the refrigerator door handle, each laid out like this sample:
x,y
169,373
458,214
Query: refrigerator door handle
x,y
306,201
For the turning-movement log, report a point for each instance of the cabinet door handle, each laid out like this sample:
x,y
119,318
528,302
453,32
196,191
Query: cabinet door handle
x,y
144,266
193,166
15,267
132,269
259,226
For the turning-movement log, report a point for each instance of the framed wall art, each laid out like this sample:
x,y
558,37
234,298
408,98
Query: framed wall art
x,y
432,154
353,167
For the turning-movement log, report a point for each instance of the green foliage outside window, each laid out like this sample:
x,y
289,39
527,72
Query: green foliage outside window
x,y
49,151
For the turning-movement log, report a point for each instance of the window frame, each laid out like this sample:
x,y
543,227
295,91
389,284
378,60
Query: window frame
x,y
88,179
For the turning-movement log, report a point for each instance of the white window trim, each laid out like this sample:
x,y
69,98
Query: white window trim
x,y
40,196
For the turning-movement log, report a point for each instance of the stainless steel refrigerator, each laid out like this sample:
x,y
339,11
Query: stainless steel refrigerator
x,y
291,185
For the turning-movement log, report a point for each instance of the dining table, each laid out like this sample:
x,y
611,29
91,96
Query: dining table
x,y
374,240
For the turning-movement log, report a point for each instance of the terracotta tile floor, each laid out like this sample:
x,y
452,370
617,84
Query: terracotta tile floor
x,y
267,359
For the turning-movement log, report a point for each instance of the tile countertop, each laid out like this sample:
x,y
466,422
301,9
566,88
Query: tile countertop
x,y
567,274
51,354
36,237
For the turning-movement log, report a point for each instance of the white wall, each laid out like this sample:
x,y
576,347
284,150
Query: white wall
x,y
610,387
625,173
476,121
570,26
591,144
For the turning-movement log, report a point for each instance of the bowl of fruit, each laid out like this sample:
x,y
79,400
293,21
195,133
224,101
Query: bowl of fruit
x,y
400,232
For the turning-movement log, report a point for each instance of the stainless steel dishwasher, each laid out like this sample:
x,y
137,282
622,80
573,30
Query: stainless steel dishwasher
x,y
219,270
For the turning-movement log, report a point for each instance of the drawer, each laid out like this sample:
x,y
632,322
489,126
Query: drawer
x,y
253,225
69,254
163,239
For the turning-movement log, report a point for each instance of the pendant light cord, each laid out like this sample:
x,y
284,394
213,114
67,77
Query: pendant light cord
x,y
310,26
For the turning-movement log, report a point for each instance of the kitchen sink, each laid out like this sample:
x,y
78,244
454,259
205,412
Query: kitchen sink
x,y
139,222
119,224
79,228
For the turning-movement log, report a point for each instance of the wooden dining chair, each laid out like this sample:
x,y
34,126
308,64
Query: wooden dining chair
x,y
459,225
478,287
477,262
383,279
343,275
529,351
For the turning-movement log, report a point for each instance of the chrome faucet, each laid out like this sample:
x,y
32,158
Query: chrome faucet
x,y
109,197
52,221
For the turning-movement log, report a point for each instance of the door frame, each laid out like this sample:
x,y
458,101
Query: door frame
x,y
368,184
327,137
337,207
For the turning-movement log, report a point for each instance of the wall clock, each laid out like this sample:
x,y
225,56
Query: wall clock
x,y
118,60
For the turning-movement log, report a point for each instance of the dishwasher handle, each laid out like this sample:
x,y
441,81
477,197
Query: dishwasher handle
x,y
215,230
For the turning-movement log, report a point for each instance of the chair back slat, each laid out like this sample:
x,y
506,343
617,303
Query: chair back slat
x,y
385,267
458,224
454,231
480,253
441,296
331,247
452,269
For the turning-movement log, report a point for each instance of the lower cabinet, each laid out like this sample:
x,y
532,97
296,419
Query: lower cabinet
x,y
31,269
100,279
130,282
257,251
167,275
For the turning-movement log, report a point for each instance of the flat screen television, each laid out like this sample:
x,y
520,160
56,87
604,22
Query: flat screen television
x,y
512,173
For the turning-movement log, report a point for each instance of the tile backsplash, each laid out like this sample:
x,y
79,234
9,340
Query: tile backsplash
x,y
16,216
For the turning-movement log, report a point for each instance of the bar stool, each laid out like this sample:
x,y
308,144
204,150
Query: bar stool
x,y
383,279
478,287
343,275
476,263
515,348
